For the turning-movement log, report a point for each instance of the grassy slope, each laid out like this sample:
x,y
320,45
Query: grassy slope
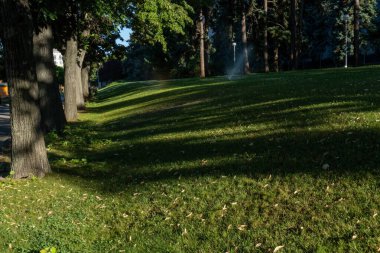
x,y
211,166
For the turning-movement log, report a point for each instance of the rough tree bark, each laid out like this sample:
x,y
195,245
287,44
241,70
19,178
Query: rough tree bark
x,y
29,157
244,41
85,77
71,79
266,64
356,31
52,113
201,45
293,31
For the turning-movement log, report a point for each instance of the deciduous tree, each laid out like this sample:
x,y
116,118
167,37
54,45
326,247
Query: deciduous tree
x,y
29,157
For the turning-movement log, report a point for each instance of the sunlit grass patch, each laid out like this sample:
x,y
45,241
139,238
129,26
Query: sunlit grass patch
x,y
286,161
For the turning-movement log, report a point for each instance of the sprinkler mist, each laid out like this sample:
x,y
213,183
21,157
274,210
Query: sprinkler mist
x,y
235,72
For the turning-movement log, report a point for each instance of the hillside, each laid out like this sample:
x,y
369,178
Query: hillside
x,y
288,159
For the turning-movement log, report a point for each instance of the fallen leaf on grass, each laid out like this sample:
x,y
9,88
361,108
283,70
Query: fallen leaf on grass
x,y
278,248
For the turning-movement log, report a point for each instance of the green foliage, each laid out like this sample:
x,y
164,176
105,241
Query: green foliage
x,y
60,75
153,19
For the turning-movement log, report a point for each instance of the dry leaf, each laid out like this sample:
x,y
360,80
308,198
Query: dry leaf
x,y
278,248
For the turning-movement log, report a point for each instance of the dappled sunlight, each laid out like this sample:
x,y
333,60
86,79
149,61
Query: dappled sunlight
x,y
143,107
253,125
267,158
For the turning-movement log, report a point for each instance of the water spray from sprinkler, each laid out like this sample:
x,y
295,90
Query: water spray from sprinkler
x,y
234,45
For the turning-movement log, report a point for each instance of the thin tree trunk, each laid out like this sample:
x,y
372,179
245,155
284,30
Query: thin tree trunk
x,y
244,41
85,77
52,113
207,42
266,64
299,34
276,57
293,31
29,157
71,80
79,87
356,31
201,45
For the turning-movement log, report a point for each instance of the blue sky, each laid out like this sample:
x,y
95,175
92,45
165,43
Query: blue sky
x,y
125,34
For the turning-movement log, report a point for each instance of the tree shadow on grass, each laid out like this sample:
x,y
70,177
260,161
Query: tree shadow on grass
x,y
348,152
252,127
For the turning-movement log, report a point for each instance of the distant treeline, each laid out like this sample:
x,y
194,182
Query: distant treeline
x,y
269,35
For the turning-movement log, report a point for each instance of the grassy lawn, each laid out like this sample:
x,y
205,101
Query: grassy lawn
x,y
289,159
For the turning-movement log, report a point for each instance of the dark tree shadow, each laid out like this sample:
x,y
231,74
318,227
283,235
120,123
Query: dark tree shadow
x,y
254,126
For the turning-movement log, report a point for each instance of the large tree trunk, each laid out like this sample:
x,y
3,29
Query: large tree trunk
x,y
29,157
266,63
244,41
356,31
293,31
79,87
71,80
85,78
52,113
201,45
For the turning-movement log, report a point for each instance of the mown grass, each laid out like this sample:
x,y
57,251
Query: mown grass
x,y
288,159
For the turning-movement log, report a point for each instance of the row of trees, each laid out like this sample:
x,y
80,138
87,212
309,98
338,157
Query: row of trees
x,y
171,38
270,35
86,31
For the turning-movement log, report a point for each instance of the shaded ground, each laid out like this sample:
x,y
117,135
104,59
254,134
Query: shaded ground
x,y
288,159
277,124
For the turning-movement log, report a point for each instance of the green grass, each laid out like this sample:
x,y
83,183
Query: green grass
x,y
288,159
